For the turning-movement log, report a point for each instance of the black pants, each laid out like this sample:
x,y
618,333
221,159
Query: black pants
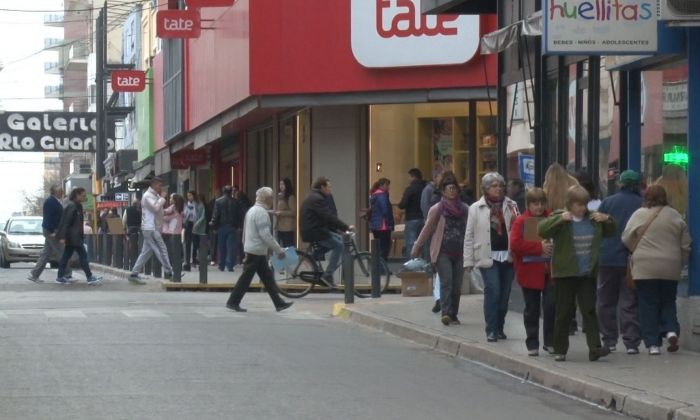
x,y
539,302
384,237
569,291
255,264
82,256
188,242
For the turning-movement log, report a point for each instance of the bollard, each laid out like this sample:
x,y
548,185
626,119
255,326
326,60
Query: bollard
x,y
103,249
175,255
133,246
374,269
118,250
348,275
203,253
90,243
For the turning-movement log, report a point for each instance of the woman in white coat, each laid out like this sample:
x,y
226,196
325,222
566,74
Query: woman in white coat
x,y
486,247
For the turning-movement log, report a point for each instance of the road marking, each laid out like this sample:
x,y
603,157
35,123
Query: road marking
x,y
306,315
144,313
219,313
3,315
64,314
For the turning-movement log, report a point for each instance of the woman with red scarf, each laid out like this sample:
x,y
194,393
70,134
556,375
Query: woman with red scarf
x,y
486,247
446,224
381,221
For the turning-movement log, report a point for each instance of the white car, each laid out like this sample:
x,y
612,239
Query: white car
x,y
21,240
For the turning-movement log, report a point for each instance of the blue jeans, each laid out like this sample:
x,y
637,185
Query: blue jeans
x,y
227,253
498,280
335,246
82,256
411,231
657,309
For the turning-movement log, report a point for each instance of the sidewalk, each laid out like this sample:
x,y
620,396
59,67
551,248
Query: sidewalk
x,y
643,386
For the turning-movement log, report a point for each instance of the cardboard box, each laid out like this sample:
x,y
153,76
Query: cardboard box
x,y
416,284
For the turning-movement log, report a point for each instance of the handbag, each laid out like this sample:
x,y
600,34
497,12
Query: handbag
x,y
629,281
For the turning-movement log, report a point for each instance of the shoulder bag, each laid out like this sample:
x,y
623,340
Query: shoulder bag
x,y
628,276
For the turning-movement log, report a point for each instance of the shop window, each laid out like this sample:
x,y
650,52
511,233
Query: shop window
x,y
609,139
572,118
665,131
520,134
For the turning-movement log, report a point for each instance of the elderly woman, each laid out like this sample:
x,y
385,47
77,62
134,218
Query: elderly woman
x,y
486,247
446,225
659,242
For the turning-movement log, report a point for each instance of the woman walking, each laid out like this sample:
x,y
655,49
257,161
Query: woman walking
x,y
446,225
381,221
190,239
486,246
173,217
659,242
531,261
286,213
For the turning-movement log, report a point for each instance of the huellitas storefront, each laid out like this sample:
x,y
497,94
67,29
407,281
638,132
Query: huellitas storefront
x,y
603,90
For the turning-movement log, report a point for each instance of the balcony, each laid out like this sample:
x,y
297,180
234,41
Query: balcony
x,y
53,92
52,67
53,43
77,57
54,19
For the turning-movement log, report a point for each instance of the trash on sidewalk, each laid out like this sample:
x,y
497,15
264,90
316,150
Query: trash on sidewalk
x,y
416,283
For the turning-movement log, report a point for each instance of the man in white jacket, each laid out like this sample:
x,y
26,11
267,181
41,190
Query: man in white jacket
x,y
257,241
151,221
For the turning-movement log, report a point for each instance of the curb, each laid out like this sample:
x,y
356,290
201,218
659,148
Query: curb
x,y
626,400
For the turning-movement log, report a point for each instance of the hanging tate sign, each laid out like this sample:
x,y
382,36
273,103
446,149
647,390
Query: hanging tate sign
x,y
49,132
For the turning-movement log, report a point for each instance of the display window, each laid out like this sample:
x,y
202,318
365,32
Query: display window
x,y
520,122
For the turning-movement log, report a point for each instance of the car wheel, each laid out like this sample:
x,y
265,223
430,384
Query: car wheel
x,y
3,262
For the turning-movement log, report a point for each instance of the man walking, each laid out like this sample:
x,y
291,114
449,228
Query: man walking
x,y
53,210
132,224
257,240
71,235
151,222
410,202
613,294
226,220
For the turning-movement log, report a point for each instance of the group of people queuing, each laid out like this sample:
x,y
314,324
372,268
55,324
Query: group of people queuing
x,y
620,255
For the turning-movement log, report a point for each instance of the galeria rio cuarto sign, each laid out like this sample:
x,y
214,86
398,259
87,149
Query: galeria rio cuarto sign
x,y
128,80
178,24
394,33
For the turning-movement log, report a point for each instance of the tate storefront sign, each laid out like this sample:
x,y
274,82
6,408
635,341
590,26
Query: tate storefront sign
x,y
394,33
600,27
128,80
49,132
178,24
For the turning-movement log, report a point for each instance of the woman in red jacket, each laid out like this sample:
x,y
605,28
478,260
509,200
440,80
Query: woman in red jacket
x,y
531,260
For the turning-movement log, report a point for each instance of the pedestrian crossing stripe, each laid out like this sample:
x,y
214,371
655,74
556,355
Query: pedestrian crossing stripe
x,y
64,314
144,313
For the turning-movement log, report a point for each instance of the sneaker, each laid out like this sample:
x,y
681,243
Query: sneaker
x,y
612,348
327,279
533,352
632,350
436,308
134,278
560,358
284,306
548,349
68,279
491,338
654,351
672,339
446,320
93,280
455,320
34,279
597,353
502,336
62,280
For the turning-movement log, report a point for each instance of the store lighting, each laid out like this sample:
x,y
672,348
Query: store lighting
x,y
677,156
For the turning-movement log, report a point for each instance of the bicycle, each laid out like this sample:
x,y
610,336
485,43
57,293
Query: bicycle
x,y
305,276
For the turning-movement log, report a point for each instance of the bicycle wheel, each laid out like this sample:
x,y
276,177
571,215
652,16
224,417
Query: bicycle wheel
x,y
363,274
293,282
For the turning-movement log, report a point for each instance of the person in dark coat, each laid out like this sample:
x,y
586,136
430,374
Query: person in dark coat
x,y
227,220
53,209
381,222
320,223
71,236
410,203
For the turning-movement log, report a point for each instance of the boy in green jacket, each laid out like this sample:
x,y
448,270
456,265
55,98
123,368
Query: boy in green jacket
x,y
577,236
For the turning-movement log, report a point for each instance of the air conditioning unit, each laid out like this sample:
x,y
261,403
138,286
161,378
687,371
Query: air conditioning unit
x,y
680,11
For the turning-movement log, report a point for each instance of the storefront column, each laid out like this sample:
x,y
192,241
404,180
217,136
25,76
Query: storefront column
x,y
634,120
694,155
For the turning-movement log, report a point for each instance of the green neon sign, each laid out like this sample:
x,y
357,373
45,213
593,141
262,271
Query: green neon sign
x,y
677,156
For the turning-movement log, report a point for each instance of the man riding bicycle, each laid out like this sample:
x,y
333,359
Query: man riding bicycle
x,y
320,224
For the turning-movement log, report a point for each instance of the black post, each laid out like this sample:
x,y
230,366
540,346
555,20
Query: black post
x,y
203,252
348,270
175,255
90,241
376,277
100,61
118,250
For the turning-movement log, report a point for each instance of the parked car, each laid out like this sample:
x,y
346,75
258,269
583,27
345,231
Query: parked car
x,y
21,240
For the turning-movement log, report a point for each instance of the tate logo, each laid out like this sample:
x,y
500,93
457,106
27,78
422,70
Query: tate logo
x,y
128,81
394,33
178,24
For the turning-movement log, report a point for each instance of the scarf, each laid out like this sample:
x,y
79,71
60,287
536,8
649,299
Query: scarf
x,y
452,208
498,222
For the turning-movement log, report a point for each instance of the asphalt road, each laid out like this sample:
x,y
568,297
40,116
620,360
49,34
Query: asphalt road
x,y
119,351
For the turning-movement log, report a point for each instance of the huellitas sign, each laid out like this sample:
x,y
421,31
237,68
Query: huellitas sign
x,y
49,132
614,27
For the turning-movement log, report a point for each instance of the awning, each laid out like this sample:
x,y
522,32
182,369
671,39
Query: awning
x,y
500,40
